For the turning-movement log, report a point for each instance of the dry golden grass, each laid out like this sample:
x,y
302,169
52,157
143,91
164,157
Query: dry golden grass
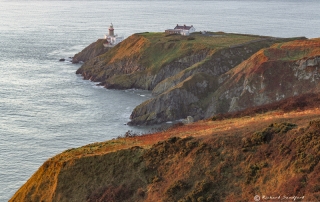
x,y
188,167
203,128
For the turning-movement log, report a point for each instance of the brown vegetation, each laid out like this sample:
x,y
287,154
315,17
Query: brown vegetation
x,y
300,102
234,158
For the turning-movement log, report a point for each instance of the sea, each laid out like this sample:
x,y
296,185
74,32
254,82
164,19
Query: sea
x,y
45,108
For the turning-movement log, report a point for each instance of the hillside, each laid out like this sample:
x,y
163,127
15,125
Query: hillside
x,y
91,51
271,74
235,157
281,71
181,71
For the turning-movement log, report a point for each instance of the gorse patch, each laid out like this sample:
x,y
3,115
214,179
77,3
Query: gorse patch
x,y
265,136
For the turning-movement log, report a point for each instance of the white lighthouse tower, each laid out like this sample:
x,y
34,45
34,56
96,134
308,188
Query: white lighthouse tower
x,y
111,38
111,30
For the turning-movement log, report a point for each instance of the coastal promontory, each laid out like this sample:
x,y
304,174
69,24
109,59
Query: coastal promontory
x,y
187,74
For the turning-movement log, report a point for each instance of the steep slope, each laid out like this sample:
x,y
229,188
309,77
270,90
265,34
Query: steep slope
x,y
272,154
90,52
189,92
272,74
202,75
144,60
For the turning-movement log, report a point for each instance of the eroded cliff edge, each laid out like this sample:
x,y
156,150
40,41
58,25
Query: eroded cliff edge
x,y
182,72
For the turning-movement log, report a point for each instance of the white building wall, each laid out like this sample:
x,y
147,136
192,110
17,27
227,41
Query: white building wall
x,y
185,32
192,29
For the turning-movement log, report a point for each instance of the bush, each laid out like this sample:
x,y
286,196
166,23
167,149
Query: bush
x,y
266,135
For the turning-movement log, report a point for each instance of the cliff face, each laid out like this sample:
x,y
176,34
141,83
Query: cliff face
x,y
181,71
281,71
224,160
207,88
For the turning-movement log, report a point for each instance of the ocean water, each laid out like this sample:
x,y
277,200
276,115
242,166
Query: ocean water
x,y
45,108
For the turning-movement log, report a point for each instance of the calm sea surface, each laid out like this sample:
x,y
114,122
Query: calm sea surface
x,y
45,108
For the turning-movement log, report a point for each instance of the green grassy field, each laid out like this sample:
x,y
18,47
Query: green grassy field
x,y
166,48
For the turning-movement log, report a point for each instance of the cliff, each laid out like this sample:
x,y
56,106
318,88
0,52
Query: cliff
x,y
275,153
281,71
181,71
90,52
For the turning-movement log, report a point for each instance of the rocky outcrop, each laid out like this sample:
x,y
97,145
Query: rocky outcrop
x,y
183,74
178,102
90,52
272,74
143,62
187,93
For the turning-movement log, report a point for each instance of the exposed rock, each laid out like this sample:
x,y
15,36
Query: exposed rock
x,y
182,74
62,60
174,101
266,77
188,120
180,101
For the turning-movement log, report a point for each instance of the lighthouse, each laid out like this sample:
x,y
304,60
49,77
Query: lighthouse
x,y
111,30
111,39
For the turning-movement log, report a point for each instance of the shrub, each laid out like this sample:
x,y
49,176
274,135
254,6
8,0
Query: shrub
x,y
253,171
266,135
141,192
174,190
200,192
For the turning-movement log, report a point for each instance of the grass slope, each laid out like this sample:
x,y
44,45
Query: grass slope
x,y
145,54
233,158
